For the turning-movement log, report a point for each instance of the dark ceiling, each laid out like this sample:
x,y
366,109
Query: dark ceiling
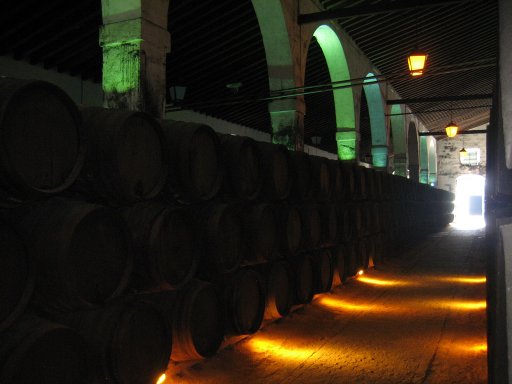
x,y
461,39
217,53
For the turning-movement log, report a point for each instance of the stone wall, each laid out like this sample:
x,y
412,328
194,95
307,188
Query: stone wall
x,y
448,164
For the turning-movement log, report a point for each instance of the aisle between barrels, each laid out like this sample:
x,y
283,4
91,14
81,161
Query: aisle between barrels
x,y
419,318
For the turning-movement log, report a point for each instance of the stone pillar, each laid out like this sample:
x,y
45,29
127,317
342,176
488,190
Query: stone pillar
x,y
414,172
380,156
423,176
287,118
346,139
400,162
135,44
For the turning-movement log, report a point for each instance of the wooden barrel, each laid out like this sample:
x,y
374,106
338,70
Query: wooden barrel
x,y
243,176
126,160
323,271
302,268
349,180
329,223
166,250
198,322
43,145
243,297
339,254
376,217
337,181
133,340
371,250
356,219
321,178
82,251
278,279
362,254
259,232
38,351
361,188
351,261
371,183
366,217
289,229
311,225
301,176
16,275
219,230
195,171
276,169
344,224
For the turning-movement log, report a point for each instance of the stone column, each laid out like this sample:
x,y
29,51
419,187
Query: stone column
x,y
287,118
346,139
400,163
380,156
135,44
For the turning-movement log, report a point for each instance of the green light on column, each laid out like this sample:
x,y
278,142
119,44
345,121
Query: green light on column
x,y
346,142
121,66
380,156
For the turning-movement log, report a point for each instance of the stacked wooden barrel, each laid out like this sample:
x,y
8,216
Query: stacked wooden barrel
x,y
127,241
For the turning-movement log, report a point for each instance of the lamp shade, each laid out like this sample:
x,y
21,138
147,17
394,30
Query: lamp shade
x,y
417,61
451,129
463,156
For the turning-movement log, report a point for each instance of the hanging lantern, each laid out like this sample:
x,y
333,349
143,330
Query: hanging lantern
x,y
451,129
463,156
417,61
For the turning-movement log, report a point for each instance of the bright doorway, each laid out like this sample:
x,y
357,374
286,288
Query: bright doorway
x,y
469,202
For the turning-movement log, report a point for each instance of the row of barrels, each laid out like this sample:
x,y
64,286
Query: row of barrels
x,y
169,225
122,157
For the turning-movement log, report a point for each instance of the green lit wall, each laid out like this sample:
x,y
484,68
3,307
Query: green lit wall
x,y
432,161
343,98
283,113
377,121
399,140
423,160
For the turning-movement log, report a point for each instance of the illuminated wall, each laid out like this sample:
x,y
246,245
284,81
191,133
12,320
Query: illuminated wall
x,y
423,160
285,118
377,121
343,98
399,141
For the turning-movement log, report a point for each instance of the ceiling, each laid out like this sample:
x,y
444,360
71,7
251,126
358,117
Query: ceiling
x,y
218,54
461,39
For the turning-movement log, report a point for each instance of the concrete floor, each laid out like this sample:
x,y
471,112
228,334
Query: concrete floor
x,y
419,318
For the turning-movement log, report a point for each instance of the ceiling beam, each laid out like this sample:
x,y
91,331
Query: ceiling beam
x,y
473,132
439,99
396,6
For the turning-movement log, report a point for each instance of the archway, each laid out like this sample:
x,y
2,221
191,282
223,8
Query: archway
x,y
413,152
365,130
343,98
377,121
284,116
320,117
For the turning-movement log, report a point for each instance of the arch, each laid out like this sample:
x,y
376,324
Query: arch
x,y
343,98
377,121
284,115
413,152
397,122
423,160
432,161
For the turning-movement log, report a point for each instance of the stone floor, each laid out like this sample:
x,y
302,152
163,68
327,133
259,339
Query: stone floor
x,y
419,318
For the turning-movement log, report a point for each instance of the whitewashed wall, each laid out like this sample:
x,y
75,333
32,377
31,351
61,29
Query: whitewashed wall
x,y
448,164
